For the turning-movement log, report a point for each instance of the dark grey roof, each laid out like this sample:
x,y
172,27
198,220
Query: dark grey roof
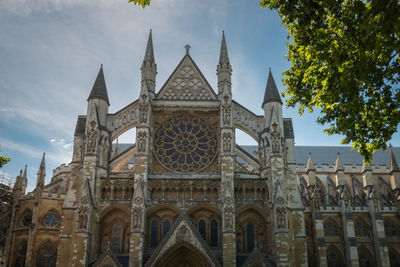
x,y
328,155
223,55
80,126
99,89
271,91
288,128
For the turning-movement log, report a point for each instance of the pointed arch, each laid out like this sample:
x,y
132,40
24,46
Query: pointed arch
x,y
362,227
46,255
331,228
334,256
365,257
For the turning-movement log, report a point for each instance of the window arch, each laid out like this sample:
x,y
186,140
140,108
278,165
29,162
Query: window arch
x,y
154,234
331,228
365,258
394,257
47,255
334,257
391,229
21,254
214,234
203,229
166,227
117,237
361,228
250,237
26,220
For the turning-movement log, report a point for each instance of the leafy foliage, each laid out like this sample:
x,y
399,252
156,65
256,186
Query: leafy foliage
x,y
143,3
3,160
345,63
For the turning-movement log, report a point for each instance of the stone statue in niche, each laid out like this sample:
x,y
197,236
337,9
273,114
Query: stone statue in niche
x,y
228,218
104,150
281,217
227,142
141,143
137,218
83,219
92,137
226,111
275,139
143,109
316,198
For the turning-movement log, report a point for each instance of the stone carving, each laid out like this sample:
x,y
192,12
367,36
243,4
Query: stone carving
x,y
143,109
137,214
228,213
104,150
186,84
227,142
142,140
83,218
91,137
281,217
226,111
182,233
275,139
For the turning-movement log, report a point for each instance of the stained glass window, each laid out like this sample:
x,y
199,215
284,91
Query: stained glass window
x,y
21,255
202,229
27,220
166,227
154,234
250,236
185,144
214,233
51,220
330,228
361,228
334,257
47,256
390,228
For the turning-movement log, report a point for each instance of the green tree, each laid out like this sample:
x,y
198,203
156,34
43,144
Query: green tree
x,y
345,63
3,160
143,3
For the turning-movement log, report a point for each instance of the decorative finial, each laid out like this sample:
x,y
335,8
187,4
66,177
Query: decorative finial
x,y
187,47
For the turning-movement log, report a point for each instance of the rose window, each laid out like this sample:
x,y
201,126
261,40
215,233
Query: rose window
x,y
185,144
51,220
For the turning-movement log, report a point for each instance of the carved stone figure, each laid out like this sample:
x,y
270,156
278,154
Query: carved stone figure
x,y
227,142
91,137
226,111
137,214
143,109
281,217
275,139
142,140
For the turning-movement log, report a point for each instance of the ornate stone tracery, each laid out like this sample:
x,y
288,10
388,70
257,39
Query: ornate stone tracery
x,y
185,144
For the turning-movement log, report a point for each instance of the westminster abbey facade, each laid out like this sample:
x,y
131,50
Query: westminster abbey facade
x,y
185,194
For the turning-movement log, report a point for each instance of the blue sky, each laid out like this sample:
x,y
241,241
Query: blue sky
x,y
51,51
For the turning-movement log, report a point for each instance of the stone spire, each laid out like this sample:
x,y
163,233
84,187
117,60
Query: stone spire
x,y
99,89
41,173
149,54
25,174
310,164
149,69
271,91
224,69
223,55
339,164
392,161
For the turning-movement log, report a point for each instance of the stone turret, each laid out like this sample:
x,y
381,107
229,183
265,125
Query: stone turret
x,y
98,99
149,69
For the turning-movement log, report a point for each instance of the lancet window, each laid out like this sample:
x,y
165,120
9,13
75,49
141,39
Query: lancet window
x,y
47,255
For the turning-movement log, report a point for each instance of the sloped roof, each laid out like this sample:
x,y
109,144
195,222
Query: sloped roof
x,y
99,89
271,91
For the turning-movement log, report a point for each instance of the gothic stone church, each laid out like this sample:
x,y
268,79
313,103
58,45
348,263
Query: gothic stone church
x,y
185,194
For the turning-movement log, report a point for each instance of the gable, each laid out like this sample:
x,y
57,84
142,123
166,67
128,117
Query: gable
x,y
182,233
186,83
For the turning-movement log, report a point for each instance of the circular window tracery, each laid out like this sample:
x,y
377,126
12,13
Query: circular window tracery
x,y
51,220
185,144
27,220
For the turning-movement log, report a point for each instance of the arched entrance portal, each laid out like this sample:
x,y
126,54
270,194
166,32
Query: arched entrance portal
x,y
183,255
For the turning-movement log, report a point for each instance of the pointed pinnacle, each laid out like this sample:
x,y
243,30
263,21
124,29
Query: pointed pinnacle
x,y
149,54
25,173
310,164
223,55
339,164
392,161
43,162
20,172
99,89
271,91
